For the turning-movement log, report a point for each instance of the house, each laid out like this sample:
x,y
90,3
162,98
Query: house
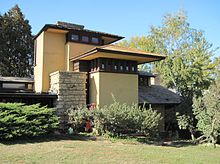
x,y
82,66
20,89
111,70
151,93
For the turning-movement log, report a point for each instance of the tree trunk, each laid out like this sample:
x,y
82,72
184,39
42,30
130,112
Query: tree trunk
x,y
192,134
212,136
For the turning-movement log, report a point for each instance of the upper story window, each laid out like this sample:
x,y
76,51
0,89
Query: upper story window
x,y
85,39
95,40
74,37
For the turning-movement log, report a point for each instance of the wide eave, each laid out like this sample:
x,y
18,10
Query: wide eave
x,y
60,29
118,52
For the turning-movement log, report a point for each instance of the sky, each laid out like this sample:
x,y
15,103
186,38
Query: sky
x,y
122,17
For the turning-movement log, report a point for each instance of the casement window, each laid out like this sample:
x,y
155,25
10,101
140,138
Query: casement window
x,y
113,65
85,39
143,81
95,40
74,37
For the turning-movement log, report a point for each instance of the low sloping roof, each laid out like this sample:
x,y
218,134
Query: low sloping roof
x,y
16,79
120,50
156,94
145,73
112,47
64,28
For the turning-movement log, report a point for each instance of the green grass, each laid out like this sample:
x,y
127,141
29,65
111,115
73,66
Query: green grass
x,y
85,149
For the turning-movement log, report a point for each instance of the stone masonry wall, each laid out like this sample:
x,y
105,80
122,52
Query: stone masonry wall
x,y
70,88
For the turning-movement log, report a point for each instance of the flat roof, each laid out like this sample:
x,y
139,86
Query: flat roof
x,y
16,79
65,28
119,53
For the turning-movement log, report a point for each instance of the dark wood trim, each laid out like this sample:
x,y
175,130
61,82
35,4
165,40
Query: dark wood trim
x,y
130,73
18,82
31,95
108,65
81,34
29,98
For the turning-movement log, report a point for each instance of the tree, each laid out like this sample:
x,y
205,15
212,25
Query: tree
x,y
207,112
188,67
16,44
144,43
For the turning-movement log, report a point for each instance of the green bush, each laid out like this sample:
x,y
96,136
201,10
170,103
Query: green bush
x,y
78,118
19,120
116,119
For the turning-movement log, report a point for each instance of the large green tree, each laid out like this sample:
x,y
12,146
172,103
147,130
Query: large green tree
x,y
207,112
188,67
16,44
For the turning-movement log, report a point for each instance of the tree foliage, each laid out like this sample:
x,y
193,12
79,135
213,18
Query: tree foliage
x,y
207,112
16,44
188,67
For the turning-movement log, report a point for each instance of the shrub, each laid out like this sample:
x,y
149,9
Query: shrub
x,y
19,120
78,118
116,119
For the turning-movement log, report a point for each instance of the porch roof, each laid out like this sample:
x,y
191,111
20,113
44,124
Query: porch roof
x,y
156,94
118,52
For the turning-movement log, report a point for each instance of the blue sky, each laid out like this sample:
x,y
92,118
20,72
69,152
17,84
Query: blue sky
x,y
123,17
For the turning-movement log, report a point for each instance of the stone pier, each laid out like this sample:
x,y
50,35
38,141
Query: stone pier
x,y
70,88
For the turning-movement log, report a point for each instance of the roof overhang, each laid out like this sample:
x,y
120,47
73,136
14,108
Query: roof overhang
x,y
123,55
108,38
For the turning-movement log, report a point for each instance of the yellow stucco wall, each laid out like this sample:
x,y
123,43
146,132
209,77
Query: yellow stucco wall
x,y
51,58
103,85
54,55
94,87
38,69
73,50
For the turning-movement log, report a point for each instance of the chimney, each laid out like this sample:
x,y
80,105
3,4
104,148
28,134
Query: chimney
x,y
70,25
157,79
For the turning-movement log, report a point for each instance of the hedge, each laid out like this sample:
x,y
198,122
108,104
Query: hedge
x,y
19,120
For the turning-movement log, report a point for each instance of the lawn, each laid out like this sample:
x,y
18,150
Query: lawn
x,y
81,149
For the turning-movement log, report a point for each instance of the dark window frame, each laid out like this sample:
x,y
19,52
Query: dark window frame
x,y
84,41
109,65
93,37
74,39
81,34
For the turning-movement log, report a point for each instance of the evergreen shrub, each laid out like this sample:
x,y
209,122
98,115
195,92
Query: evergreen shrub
x,y
19,120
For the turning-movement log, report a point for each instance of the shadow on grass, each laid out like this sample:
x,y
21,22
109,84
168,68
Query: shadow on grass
x,y
49,138
87,137
171,143
153,141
